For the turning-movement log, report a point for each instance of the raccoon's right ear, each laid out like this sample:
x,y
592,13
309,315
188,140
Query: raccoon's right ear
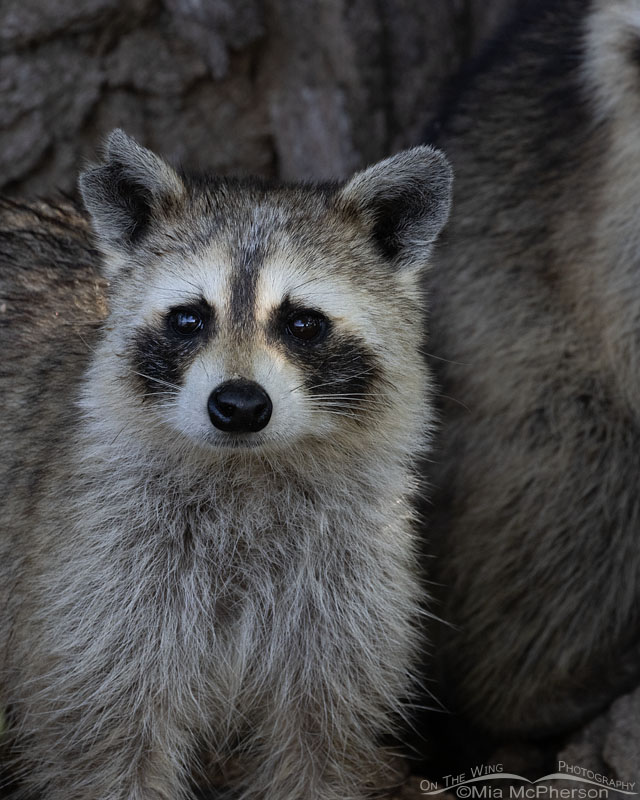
x,y
123,193
403,202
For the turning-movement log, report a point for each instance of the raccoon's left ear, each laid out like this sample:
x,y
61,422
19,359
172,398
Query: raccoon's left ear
x,y
403,202
124,192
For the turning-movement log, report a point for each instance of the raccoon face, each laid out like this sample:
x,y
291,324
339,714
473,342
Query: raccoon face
x,y
247,316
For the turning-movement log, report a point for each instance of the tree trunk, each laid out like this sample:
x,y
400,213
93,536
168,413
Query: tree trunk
x,y
288,88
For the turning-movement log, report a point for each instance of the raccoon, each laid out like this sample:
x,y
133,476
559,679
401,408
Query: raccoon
x,y
534,333
208,443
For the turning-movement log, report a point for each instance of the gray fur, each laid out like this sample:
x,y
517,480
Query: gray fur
x,y
164,593
536,306
412,193
123,194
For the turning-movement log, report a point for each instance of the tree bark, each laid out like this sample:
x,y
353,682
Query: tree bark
x,y
282,88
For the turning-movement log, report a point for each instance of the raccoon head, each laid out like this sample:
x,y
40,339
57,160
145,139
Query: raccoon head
x,y
248,315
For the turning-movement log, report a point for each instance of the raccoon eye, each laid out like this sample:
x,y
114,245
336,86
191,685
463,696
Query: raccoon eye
x,y
307,326
186,321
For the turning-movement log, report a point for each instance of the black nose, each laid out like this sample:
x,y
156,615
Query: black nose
x,y
239,406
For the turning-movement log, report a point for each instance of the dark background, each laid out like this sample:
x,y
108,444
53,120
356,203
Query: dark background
x,y
286,88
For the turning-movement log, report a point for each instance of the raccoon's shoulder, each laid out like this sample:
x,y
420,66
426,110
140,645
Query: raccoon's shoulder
x,y
49,270
52,301
515,105
45,240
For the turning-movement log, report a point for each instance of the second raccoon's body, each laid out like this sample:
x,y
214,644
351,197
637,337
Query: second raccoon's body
x,y
186,566
536,312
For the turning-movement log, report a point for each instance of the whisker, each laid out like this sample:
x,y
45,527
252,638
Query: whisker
x,y
333,411
329,403
312,279
346,394
160,393
455,400
440,358
157,380
333,382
